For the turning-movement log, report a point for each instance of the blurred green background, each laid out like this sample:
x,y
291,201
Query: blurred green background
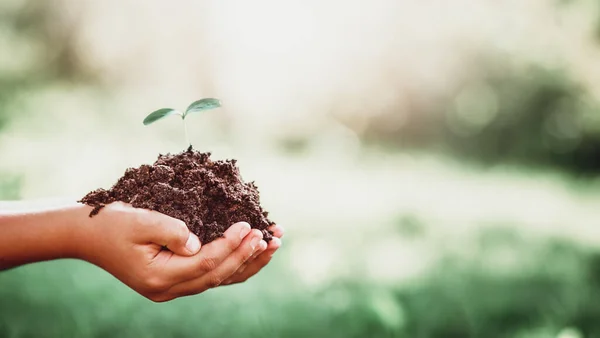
x,y
435,164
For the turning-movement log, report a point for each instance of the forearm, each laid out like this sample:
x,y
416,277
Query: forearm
x,y
28,236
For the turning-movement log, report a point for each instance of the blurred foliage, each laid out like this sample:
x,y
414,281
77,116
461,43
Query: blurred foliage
x,y
553,288
506,286
10,186
474,300
37,51
598,21
536,117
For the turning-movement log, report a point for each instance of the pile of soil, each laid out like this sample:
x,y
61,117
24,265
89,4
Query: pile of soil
x,y
209,196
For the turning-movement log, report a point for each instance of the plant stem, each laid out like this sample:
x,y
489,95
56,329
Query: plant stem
x,y
187,139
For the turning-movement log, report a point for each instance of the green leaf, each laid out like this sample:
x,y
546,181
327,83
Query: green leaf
x,y
159,114
201,105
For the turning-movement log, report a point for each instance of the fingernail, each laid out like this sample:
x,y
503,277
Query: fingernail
x,y
276,241
263,245
193,243
254,242
259,248
245,231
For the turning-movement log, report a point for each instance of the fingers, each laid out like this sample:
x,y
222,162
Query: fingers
x,y
262,246
169,232
252,267
277,230
240,254
222,271
275,243
210,256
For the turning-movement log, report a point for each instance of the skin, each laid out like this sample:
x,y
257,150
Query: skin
x,y
129,244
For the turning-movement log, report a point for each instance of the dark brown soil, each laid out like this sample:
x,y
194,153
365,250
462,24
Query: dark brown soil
x,y
209,196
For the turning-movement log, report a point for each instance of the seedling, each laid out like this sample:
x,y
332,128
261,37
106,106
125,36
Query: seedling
x,y
196,106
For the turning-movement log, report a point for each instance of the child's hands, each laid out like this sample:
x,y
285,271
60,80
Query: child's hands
x,y
128,243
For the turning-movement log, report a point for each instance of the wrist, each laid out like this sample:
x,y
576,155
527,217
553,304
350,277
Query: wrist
x,y
75,231
29,236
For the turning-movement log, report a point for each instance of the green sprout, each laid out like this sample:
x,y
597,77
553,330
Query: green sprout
x,y
196,106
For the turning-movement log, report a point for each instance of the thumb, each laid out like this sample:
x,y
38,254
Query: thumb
x,y
174,235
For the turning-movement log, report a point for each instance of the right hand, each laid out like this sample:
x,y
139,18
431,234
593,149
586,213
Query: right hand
x,y
128,243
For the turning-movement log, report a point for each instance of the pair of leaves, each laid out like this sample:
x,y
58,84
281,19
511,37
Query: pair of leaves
x,y
197,106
